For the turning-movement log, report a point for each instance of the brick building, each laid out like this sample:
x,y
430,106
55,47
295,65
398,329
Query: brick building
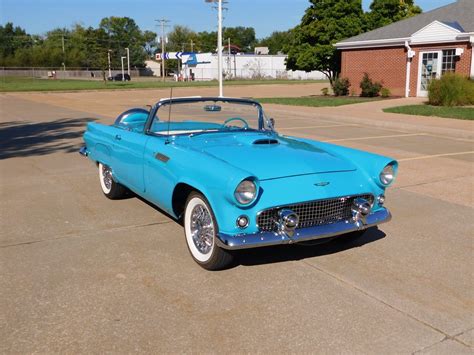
x,y
406,55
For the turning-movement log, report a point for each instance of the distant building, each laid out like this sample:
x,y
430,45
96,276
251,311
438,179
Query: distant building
x,y
406,55
262,50
203,66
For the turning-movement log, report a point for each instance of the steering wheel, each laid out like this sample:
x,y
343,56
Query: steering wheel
x,y
246,125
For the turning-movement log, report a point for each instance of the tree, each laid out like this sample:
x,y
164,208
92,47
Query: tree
x,y
123,33
12,39
277,41
324,23
243,37
179,39
384,12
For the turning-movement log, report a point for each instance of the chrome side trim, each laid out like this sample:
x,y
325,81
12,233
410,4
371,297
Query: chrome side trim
x,y
261,239
83,151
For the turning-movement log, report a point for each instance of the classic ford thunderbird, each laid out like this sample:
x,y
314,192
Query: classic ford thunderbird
x,y
219,166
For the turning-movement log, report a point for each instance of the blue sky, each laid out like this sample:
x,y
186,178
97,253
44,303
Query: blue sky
x,y
266,16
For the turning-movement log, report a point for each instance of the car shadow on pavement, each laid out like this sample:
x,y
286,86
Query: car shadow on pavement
x,y
293,252
24,139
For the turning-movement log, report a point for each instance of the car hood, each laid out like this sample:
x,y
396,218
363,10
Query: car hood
x,y
269,157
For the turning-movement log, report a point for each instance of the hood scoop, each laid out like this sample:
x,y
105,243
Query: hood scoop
x,y
265,141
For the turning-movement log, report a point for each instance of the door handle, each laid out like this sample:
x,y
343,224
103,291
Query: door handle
x,y
162,157
118,137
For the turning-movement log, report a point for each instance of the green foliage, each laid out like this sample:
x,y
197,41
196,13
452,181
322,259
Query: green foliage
x,y
341,86
180,38
320,101
385,12
278,41
461,113
325,91
324,23
451,90
243,37
385,92
369,88
83,47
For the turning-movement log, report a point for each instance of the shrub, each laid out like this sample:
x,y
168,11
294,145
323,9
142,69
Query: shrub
x,y
451,90
385,92
369,88
325,91
341,87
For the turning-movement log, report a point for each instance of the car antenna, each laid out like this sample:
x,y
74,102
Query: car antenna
x,y
169,116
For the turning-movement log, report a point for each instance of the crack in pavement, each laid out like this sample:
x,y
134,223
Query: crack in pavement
x,y
452,337
366,293
78,235
431,182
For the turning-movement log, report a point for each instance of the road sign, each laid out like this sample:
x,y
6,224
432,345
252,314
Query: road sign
x,y
158,56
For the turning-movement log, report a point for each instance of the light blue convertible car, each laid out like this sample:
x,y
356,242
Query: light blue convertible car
x,y
218,165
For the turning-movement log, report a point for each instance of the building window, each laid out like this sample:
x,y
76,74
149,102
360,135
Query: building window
x,y
449,61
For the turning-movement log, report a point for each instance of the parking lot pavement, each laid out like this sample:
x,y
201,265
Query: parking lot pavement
x,y
80,273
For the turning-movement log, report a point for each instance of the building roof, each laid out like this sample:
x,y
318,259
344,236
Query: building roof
x,y
459,15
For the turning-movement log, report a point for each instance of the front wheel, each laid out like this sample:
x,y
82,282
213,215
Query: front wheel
x,y
200,229
110,188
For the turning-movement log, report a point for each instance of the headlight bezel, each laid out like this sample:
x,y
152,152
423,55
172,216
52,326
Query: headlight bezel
x,y
387,175
246,186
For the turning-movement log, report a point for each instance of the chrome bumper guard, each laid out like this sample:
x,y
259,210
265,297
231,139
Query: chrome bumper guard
x,y
83,151
262,239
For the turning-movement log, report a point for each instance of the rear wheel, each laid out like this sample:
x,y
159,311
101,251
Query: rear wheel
x,y
110,188
200,229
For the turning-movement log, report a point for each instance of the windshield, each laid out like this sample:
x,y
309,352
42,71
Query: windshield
x,y
192,117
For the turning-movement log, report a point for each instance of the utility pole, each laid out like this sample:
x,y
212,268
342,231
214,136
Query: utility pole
x,y
128,61
64,53
192,46
163,23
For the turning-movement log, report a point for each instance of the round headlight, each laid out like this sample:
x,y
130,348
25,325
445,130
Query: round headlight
x,y
246,192
387,175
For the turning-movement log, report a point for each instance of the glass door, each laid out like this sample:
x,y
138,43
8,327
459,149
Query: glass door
x,y
430,68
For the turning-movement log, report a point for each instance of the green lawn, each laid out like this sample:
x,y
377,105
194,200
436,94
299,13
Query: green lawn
x,y
461,113
10,83
316,101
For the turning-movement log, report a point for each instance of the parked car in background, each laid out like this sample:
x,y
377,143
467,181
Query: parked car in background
x,y
218,165
119,77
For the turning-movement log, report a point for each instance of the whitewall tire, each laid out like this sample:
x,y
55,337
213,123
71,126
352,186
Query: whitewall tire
x,y
110,188
200,230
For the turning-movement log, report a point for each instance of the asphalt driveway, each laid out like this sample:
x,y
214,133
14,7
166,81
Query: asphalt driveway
x,y
81,273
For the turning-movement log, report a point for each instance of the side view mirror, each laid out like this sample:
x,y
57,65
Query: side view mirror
x,y
272,121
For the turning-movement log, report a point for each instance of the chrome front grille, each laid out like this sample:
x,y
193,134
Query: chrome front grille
x,y
312,213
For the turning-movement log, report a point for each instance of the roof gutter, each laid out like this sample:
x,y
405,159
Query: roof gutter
x,y
372,43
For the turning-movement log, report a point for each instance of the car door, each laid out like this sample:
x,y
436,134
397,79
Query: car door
x,y
158,172
128,158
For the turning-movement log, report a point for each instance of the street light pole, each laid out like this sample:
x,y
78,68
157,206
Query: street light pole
x,y
219,45
128,61
123,72
108,57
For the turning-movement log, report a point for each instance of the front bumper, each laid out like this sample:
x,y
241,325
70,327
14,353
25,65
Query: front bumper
x,y
261,239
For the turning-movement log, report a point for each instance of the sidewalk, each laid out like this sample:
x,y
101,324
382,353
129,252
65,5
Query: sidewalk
x,y
371,114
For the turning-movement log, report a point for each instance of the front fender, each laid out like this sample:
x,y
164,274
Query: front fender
x,y
369,164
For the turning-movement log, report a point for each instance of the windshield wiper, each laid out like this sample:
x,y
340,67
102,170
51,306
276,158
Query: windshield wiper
x,y
204,131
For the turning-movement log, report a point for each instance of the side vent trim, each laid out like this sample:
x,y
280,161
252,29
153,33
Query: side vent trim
x,y
266,141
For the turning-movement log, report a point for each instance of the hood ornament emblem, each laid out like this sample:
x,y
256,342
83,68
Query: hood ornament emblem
x,y
322,183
